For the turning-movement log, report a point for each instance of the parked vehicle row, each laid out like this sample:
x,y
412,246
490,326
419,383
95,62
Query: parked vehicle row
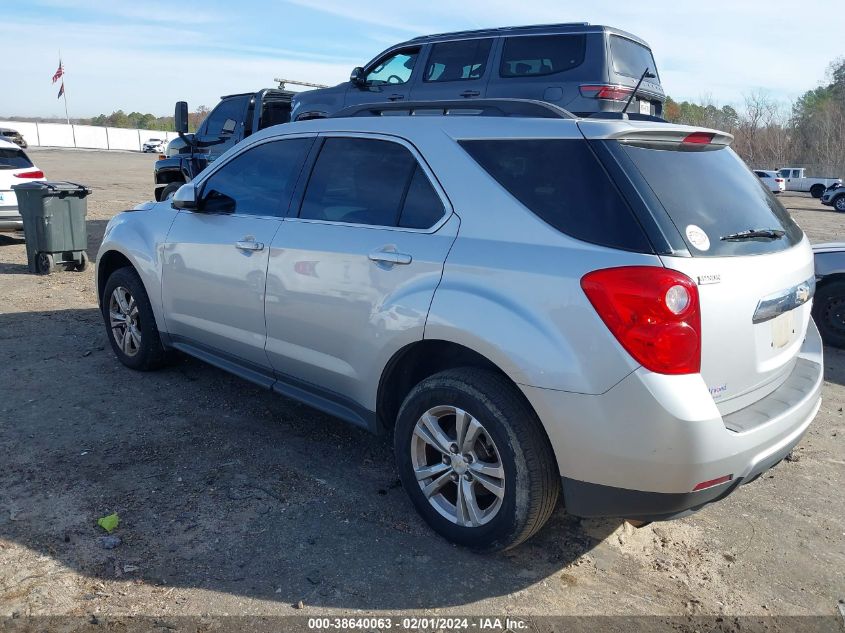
x,y
15,168
623,318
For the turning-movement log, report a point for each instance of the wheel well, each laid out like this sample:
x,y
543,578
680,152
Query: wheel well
x,y
415,363
108,263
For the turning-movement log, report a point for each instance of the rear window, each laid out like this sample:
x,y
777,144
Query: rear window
x,y
541,54
712,190
629,58
13,159
562,182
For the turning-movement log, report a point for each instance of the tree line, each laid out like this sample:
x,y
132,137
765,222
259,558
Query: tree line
x,y
768,134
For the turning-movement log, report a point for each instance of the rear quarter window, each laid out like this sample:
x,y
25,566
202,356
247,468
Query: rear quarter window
x,y
541,54
13,159
562,182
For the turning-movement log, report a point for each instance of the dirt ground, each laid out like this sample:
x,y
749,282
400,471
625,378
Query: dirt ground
x,y
234,500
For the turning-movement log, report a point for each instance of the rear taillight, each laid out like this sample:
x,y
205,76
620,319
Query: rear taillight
x,y
653,312
30,174
778,179
161,156
606,91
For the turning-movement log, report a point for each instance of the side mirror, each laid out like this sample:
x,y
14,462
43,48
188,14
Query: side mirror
x,y
357,76
185,197
180,117
229,126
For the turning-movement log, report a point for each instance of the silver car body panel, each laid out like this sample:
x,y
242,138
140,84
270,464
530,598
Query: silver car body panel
x,y
494,278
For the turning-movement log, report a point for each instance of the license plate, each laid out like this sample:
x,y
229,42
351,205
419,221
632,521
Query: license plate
x,y
645,107
783,327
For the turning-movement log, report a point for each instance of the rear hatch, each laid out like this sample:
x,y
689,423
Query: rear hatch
x,y
754,288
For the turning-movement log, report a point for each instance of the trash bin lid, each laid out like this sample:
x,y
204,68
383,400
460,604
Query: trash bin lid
x,y
54,188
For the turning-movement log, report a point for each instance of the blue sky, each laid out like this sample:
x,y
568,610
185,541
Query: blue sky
x,y
145,55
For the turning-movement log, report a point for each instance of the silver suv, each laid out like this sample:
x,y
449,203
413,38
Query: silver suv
x,y
533,304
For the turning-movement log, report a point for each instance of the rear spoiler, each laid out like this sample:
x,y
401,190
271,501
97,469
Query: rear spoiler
x,y
673,136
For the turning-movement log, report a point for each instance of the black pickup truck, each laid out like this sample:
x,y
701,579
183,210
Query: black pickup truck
x,y
234,118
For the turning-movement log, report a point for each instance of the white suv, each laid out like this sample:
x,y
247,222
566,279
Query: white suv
x,y
531,303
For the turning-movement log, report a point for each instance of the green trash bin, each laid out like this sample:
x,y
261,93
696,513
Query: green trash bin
x,y
54,224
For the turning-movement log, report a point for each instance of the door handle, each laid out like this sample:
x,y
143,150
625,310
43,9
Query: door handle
x,y
470,93
390,257
249,244
395,97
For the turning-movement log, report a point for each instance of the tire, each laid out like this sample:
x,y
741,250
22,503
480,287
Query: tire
x,y
839,204
142,350
510,448
44,263
169,190
817,191
829,312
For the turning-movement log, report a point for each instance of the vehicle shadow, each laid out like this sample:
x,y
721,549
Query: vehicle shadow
x,y
221,485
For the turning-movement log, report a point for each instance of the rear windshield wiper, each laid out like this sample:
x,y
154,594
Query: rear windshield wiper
x,y
770,234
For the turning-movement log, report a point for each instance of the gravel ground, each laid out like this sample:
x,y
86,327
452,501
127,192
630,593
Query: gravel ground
x,y
237,501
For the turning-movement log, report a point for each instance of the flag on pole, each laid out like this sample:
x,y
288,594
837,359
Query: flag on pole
x,y
61,91
59,72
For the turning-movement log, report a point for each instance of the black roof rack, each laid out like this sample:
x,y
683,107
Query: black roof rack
x,y
496,30
475,107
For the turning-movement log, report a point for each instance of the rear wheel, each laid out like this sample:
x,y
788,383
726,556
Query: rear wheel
x,y
816,191
829,312
170,189
474,459
839,204
130,322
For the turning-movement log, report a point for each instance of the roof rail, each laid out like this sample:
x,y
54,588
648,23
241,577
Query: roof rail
x,y
475,107
497,29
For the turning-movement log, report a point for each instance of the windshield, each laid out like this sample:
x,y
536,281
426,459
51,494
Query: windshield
x,y
13,159
710,194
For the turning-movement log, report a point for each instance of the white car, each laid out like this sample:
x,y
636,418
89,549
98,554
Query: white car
x,y
15,169
155,145
771,179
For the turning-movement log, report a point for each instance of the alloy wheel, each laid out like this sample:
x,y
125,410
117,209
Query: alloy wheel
x,y
458,466
124,321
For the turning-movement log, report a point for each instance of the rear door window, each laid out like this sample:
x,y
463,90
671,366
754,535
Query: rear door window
x,y
630,58
457,61
711,190
562,182
13,159
541,54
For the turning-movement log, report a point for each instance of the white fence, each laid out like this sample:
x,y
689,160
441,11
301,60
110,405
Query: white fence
x,y
84,136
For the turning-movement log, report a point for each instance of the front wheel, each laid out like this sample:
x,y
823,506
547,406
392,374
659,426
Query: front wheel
x,y
169,190
475,460
130,322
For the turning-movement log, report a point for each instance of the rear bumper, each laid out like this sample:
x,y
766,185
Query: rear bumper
x,y
10,219
639,450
